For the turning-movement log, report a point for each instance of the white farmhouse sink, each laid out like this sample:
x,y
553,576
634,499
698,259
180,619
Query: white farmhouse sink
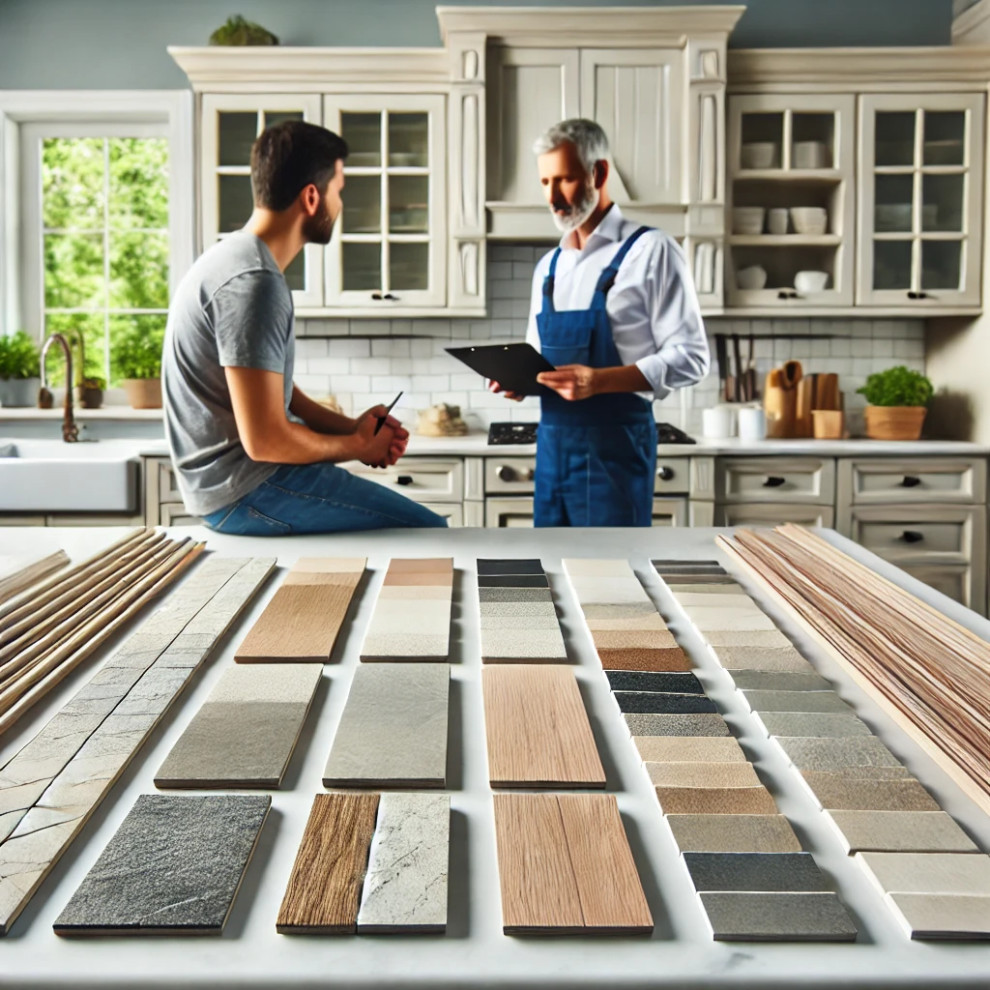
x,y
52,476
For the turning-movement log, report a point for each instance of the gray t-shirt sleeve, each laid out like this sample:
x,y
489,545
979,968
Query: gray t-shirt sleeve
x,y
252,316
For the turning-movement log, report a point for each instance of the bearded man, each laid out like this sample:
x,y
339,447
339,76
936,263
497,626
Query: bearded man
x,y
253,454
615,310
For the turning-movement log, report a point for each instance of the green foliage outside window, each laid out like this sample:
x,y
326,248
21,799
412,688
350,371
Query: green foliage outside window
x,y
19,356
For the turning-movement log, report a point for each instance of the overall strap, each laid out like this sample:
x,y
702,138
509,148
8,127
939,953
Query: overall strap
x,y
548,283
607,277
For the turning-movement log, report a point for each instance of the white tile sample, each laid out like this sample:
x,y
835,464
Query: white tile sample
x,y
900,831
942,916
927,873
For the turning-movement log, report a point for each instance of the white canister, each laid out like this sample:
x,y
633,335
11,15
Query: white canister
x,y
718,423
752,423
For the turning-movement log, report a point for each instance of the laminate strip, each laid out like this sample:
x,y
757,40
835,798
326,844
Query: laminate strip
x,y
304,617
393,730
17,575
325,885
565,866
173,867
537,729
246,730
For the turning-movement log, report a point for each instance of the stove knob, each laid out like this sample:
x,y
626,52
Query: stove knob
x,y
505,473
665,473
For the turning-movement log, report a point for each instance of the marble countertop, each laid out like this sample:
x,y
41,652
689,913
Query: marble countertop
x,y
475,953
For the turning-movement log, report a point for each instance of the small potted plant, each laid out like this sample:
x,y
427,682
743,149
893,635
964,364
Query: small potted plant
x,y
897,402
138,360
20,370
91,391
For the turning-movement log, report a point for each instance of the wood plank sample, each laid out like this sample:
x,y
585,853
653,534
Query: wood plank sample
x,y
246,730
304,617
537,729
565,866
900,831
405,886
393,731
173,867
738,916
323,890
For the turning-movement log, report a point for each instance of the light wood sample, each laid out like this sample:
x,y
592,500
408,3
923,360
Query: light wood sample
x,y
17,575
565,866
537,728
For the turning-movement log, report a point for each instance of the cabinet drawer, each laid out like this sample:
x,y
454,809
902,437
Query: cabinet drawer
x,y
509,475
927,479
920,532
955,581
421,480
176,514
774,514
775,479
168,486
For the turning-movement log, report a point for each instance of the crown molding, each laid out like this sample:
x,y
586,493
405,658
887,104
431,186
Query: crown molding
x,y
215,68
972,26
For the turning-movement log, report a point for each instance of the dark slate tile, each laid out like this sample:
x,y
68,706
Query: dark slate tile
x,y
662,703
683,562
778,917
754,871
654,680
515,595
173,867
779,680
513,581
498,565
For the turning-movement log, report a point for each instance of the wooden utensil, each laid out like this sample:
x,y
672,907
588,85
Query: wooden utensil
x,y
721,362
738,393
778,404
802,406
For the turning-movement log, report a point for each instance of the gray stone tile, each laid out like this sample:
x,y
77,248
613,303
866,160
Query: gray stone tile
x,y
778,917
654,680
513,581
942,916
502,565
797,701
733,833
779,680
900,831
838,791
808,753
782,657
755,871
808,724
663,702
676,725
515,595
521,609
174,866
927,873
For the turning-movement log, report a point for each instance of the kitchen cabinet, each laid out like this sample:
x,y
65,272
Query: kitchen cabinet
x,y
162,498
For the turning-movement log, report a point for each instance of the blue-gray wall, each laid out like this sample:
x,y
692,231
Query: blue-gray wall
x,y
120,44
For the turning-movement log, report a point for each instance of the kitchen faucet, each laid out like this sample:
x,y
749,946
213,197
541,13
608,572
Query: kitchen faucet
x,y
70,432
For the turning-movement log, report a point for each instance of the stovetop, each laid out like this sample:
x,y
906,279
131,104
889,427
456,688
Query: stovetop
x,y
513,433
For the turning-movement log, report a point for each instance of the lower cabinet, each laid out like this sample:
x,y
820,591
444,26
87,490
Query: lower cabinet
x,y
773,514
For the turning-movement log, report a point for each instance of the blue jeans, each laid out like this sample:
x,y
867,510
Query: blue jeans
x,y
318,498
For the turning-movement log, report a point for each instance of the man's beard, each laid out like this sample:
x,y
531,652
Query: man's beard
x,y
579,212
318,228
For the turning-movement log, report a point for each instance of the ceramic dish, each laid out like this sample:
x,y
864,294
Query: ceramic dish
x,y
747,219
758,154
810,281
753,277
809,219
810,154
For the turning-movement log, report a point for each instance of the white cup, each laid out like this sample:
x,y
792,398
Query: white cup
x,y
752,423
777,219
718,423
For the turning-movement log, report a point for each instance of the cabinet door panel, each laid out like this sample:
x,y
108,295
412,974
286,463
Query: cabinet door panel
x,y
768,514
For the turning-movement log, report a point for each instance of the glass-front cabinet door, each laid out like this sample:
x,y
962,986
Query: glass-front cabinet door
x,y
921,200
231,122
388,252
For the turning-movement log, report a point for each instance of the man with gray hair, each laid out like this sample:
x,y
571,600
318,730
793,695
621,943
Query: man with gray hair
x,y
615,310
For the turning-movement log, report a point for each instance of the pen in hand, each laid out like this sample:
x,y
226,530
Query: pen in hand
x,y
381,419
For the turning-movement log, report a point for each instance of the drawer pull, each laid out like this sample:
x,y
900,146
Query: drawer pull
x,y
773,482
504,473
404,479
665,473
910,481
912,536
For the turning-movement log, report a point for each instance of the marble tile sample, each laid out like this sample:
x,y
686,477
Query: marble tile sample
x,y
703,774
194,617
754,871
499,565
393,730
716,800
733,833
676,725
775,658
302,620
942,916
777,917
515,595
689,749
324,888
565,866
808,753
662,702
537,728
246,730
812,724
900,831
405,884
671,658
779,680
927,873
680,682
835,791
824,702
173,867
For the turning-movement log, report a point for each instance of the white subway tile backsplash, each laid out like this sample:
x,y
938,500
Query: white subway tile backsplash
x,y
312,347
354,347
391,383
391,348
330,366
352,383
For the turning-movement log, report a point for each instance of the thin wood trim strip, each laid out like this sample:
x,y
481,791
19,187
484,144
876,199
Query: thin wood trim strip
x,y
24,577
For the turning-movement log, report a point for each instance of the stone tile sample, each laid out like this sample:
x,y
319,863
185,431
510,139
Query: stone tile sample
x,y
716,800
639,621
393,730
689,586
737,620
521,645
515,595
704,774
754,871
733,833
405,884
593,567
689,749
565,866
679,682
632,639
500,608
779,680
778,917
779,658
665,658
808,753
620,610
194,617
513,581
324,887
498,565
509,620
812,724
767,639
676,725
797,701
834,791
716,598
246,730
927,873
900,831
173,867
537,728
397,647
302,620
662,702
942,916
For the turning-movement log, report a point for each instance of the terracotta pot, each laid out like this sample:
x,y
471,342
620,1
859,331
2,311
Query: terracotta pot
x,y
894,422
91,398
143,393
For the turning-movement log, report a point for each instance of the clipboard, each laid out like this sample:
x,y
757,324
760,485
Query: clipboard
x,y
513,366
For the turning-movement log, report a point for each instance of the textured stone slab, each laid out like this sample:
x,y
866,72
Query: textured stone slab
x,y
502,565
663,702
499,608
703,774
733,833
174,867
690,586
812,724
780,658
515,595
669,658
689,749
927,873
942,916
768,639
677,725
774,917
632,639
508,619
408,646
717,598
809,753
405,884
513,581
755,871
739,620
779,680
393,730
651,621
900,831
837,791
797,701
715,800
522,644
680,682
618,610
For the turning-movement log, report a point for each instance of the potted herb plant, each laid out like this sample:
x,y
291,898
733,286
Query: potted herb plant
x,y
20,370
897,402
91,391
138,361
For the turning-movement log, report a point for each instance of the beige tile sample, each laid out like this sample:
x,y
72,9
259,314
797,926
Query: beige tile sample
x,y
900,831
927,873
712,774
733,833
689,749
942,916
716,800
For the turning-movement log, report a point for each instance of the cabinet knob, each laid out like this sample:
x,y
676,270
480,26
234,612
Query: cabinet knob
x,y
505,473
379,296
786,294
404,479
665,473
910,481
918,295
912,536
773,482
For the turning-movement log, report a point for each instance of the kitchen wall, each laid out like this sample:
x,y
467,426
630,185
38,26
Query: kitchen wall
x,y
363,362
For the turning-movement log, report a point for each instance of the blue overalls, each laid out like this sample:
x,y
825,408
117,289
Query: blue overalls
x,y
595,457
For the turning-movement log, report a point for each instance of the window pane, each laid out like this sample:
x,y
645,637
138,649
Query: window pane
x,y
895,138
363,134
139,271
408,139
138,183
362,267
236,201
942,196
295,274
90,327
136,346
892,209
235,134
272,117
941,264
945,133
362,197
74,271
408,204
409,267
891,264
72,183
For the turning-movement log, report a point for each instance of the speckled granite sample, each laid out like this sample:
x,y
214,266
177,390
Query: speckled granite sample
x,y
513,581
778,917
666,658
812,725
173,867
715,800
502,565
689,749
661,702
681,682
703,774
676,725
733,833
515,595
900,831
808,753
754,871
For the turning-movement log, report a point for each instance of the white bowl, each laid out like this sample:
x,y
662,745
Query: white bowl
x,y
758,154
810,154
753,277
809,219
810,281
747,219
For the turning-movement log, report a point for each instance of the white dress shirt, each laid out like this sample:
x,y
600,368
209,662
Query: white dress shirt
x,y
652,306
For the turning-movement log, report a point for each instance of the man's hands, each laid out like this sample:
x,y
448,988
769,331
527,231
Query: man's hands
x,y
571,381
384,448
493,386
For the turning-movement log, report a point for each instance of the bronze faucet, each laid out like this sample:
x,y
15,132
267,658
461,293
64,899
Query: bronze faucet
x,y
70,432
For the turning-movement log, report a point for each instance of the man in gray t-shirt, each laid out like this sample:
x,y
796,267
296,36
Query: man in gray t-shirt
x,y
254,454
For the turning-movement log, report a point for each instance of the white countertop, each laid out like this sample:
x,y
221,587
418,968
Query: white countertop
x,y
474,952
